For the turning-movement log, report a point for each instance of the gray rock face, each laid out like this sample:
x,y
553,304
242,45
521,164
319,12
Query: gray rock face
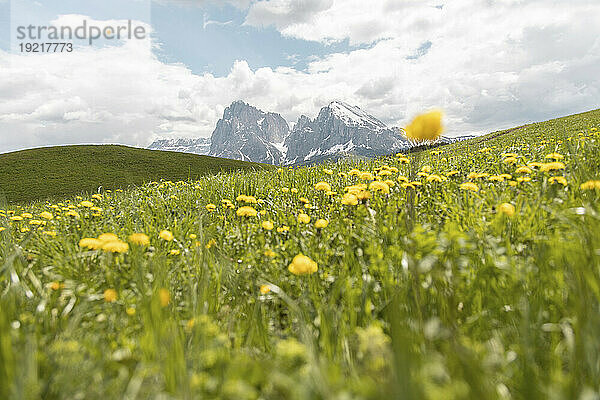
x,y
199,146
340,130
247,133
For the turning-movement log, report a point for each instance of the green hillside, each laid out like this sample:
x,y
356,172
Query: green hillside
x,y
66,170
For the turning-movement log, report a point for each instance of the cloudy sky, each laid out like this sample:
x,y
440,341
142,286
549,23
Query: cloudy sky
x,y
488,64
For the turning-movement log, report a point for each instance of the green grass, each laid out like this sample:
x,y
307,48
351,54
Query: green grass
x,y
425,293
52,172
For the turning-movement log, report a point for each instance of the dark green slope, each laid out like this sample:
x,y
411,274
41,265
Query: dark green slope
x,y
67,170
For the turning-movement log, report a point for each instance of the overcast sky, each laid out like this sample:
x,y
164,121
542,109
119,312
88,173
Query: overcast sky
x,y
488,64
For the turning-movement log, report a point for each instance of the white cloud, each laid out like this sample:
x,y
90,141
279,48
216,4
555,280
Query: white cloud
x,y
243,4
488,66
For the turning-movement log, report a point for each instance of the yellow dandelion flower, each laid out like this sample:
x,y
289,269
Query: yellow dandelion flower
x,y
425,127
390,183
510,160
2,228
403,179
506,209
192,236
553,166
294,190
366,176
452,173
211,207
558,179
523,179
304,200
434,178
97,196
555,156
536,164
303,218
116,246
166,235
246,211
16,218
268,225
403,160
469,186
90,243
323,186
283,229
321,223
349,199
327,171
378,186
285,190
86,204
363,195
426,169
210,243
523,170
27,215
302,265
72,213
140,239
590,185
110,295
130,311
164,296
264,289
354,172
269,253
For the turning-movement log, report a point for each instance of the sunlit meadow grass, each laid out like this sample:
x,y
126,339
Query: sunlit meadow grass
x,y
480,280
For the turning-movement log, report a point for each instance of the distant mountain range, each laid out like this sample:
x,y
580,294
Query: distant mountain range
x,y
340,130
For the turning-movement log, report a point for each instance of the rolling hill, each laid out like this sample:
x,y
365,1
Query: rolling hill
x,y
67,170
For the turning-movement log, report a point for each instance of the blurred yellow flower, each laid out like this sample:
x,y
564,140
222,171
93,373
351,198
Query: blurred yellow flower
x,y
115,246
366,176
164,297
211,207
523,170
327,171
555,156
87,204
590,185
246,211
558,179
166,235
510,160
283,229
303,218
139,238
16,218
323,186
506,209
268,225
349,199
110,295
553,166
302,265
90,243
264,289
434,178
469,186
425,127
379,186
321,223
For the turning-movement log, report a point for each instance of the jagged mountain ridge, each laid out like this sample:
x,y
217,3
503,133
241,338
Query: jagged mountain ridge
x,y
339,130
199,146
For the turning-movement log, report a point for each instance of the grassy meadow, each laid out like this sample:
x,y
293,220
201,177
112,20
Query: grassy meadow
x,y
56,172
469,271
